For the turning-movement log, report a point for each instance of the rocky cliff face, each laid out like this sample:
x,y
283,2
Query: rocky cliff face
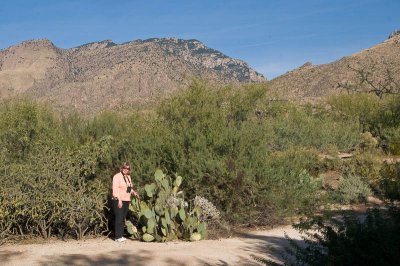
x,y
310,82
105,75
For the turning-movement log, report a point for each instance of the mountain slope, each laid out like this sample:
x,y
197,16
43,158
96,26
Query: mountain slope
x,y
314,81
104,75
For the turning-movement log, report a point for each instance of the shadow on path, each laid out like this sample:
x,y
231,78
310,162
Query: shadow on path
x,y
122,257
6,256
270,247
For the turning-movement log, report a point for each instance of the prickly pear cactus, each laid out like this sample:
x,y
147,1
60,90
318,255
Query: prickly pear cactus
x,y
132,229
163,213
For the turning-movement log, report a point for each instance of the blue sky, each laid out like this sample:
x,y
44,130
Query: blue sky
x,y
272,36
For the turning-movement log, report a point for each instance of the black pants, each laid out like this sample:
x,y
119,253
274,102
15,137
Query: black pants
x,y
120,216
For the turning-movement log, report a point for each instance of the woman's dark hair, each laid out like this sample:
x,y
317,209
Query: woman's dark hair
x,y
125,166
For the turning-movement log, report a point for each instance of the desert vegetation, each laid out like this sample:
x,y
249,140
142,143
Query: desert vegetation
x,y
257,158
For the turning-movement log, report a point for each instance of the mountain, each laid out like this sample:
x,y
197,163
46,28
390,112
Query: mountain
x,y
104,75
310,82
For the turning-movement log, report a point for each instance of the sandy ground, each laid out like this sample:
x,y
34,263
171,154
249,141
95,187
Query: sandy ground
x,y
104,251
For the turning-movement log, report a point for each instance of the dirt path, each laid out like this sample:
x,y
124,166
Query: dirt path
x,y
100,251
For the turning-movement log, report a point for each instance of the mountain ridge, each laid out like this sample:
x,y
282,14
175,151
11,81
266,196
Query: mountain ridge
x,y
104,75
311,82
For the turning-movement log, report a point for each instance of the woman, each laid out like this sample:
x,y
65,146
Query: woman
x,y
122,191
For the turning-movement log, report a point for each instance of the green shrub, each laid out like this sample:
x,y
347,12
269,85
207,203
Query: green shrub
x,y
289,187
363,164
254,156
362,106
381,117
390,181
368,142
354,189
299,126
349,241
55,192
392,138
23,124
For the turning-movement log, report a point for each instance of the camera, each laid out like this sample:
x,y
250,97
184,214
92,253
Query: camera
x,y
128,189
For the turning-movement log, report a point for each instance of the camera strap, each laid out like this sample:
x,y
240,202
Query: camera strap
x,y
130,182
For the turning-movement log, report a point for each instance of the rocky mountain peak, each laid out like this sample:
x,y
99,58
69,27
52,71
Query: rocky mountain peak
x,y
34,44
394,34
105,75
96,45
198,54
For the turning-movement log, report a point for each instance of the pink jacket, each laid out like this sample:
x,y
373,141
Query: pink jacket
x,y
119,187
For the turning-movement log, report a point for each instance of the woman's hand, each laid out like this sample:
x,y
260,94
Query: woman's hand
x,y
119,203
134,193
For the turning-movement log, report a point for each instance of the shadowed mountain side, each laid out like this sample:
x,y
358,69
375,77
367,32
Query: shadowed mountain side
x,y
104,75
310,81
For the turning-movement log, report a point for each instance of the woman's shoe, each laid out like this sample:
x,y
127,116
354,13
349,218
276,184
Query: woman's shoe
x,y
121,239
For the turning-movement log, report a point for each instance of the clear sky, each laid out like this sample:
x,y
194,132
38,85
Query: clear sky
x,y
272,36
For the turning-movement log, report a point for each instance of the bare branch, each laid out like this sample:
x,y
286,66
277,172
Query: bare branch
x,y
367,81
